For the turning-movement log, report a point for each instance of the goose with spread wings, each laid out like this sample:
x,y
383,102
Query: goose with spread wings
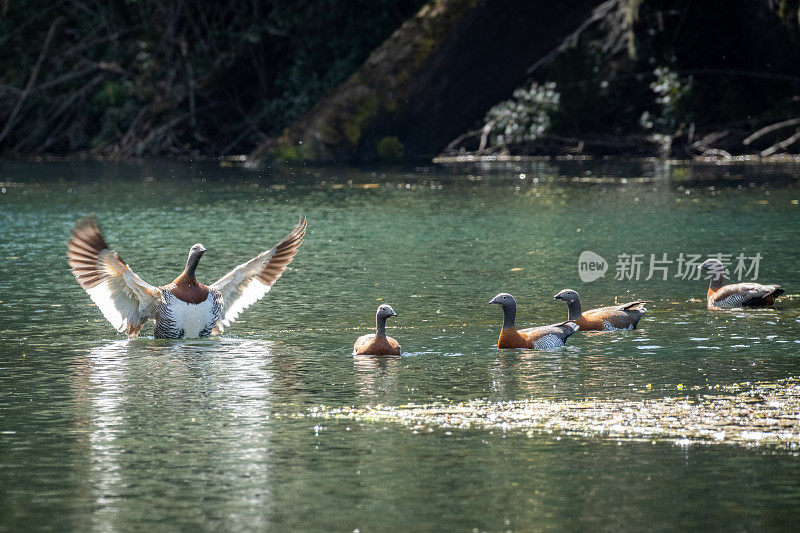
x,y
181,309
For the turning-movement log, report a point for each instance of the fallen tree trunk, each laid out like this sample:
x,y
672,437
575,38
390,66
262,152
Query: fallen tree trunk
x,y
430,80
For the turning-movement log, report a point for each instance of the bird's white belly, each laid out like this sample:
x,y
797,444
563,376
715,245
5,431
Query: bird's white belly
x,y
192,318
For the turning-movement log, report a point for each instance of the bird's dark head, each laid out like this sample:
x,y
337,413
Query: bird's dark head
x,y
715,270
503,300
568,295
195,253
384,312
509,306
712,265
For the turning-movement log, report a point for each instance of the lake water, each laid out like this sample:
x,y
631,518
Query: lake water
x,y
101,433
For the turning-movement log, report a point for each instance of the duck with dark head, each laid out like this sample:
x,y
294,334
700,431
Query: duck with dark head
x,y
539,338
378,343
721,296
623,316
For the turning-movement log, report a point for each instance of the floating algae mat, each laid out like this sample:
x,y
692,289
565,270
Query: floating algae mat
x,y
746,414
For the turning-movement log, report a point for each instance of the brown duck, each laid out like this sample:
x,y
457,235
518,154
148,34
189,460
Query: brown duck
x,y
378,343
539,338
183,308
721,296
623,316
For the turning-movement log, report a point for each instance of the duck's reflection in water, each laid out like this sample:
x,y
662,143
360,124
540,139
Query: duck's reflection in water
x,y
376,376
179,421
535,373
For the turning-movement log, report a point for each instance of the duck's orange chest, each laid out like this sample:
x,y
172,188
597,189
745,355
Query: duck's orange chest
x,y
710,296
374,345
510,338
186,291
591,322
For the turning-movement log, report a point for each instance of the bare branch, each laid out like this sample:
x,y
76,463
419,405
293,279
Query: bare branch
x,y
487,129
783,145
31,80
771,127
600,12
461,138
715,152
64,107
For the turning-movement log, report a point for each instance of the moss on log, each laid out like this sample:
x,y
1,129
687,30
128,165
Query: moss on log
x,y
431,79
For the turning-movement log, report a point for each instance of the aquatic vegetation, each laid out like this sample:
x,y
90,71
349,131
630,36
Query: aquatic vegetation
x,y
746,414
390,148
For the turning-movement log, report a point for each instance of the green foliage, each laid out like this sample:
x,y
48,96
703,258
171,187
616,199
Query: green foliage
x,y
659,66
355,124
390,148
524,117
669,90
789,12
129,77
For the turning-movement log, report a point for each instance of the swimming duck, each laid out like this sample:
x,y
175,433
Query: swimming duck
x,y
378,343
183,308
542,337
623,316
721,296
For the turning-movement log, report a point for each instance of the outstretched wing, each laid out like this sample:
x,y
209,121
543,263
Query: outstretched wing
x,y
123,297
250,281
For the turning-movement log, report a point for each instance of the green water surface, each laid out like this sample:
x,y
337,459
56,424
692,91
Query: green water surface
x,y
101,433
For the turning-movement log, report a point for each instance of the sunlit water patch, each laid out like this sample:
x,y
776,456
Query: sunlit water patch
x,y
764,414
